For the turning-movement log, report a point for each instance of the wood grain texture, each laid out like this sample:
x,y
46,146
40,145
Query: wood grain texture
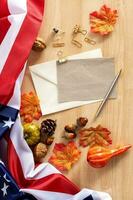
x,y
116,178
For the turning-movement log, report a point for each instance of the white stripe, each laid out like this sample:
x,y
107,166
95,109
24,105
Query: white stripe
x,y
18,10
95,194
46,195
26,157
16,97
1,162
17,7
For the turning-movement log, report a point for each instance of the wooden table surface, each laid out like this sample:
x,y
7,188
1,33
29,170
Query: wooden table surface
x,y
116,178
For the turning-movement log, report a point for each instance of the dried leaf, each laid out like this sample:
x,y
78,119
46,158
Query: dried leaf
x,y
95,136
30,108
64,156
103,21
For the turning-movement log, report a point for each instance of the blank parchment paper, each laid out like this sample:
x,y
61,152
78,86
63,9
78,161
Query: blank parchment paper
x,y
84,80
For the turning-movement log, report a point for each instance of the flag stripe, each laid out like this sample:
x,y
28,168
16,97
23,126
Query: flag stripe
x,y
4,26
4,9
16,19
16,98
4,22
10,76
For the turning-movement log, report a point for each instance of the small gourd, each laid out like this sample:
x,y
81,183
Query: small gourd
x,y
31,133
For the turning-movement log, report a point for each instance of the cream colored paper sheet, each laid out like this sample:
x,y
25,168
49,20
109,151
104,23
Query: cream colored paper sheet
x,y
85,80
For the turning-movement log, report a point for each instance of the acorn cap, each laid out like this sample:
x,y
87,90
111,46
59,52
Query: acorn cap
x,y
39,44
82,121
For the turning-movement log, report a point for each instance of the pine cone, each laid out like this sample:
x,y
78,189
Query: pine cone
x,y
48,127
43,138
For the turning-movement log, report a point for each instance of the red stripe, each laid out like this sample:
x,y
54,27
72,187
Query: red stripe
x,y
54,183
20,49
4,23
4,26
4,11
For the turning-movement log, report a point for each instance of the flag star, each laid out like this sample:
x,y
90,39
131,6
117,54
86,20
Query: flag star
x,y
4,189
6,178
8,123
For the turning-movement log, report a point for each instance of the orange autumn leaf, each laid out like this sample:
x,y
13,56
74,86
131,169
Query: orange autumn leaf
x,y
30,108
95,136
64,156
103,21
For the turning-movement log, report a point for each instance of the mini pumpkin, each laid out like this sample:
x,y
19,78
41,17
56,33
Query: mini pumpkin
x,y
31,133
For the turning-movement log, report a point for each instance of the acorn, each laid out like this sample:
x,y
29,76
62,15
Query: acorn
x,y
70,135
39,45
71,128
82,121
40,151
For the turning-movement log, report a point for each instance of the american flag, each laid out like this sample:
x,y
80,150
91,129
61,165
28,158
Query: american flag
x,y
19,177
